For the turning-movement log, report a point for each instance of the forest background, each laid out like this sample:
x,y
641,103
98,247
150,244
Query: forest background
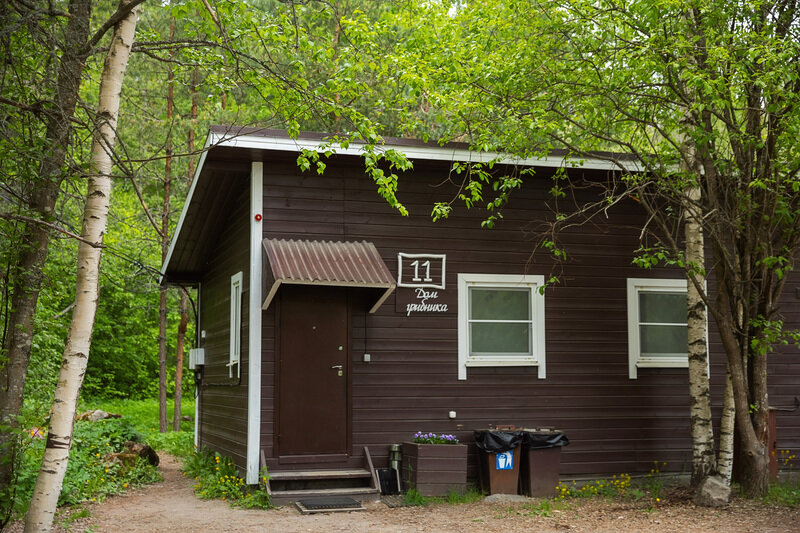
x,y
442,70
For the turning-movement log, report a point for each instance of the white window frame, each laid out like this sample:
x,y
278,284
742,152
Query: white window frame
x,y
532,283
635,358
236,326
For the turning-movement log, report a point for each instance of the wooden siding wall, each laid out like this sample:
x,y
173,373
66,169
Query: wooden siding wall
x,y
615,424
784,377
223,401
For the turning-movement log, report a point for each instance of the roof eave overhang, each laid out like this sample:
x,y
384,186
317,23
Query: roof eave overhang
x,y
283,143
163,279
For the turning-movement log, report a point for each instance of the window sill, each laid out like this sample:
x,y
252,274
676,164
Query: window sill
x,y
501,362
663,363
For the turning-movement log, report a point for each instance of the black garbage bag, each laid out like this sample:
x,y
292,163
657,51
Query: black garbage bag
x,y
491,441
536,440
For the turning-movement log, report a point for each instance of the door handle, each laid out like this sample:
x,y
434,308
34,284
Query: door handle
x,y
337,366
338,370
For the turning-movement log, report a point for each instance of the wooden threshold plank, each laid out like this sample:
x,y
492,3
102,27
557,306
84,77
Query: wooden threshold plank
x,y
319,474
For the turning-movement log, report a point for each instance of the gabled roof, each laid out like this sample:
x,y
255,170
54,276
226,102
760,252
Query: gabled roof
x,y
224,170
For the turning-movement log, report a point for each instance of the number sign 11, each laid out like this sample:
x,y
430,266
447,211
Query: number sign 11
x,y
427,266
421,270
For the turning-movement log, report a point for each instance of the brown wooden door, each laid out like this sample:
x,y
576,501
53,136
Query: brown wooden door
x,y
313,376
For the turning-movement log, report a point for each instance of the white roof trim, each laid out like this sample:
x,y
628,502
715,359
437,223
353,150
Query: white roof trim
x,y
432,153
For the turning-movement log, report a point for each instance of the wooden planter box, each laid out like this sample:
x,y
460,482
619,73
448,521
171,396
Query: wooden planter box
x,y
434,469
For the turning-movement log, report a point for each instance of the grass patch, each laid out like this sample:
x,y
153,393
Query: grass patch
x,y
542,508
413,498
67,518
786,494
143,414
618,486
216,477
649,489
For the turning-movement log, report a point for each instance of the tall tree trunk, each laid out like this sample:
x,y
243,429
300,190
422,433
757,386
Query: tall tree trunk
x,y
754,467
162,359
95,217
162,302
703,452
184,305
726,429
35,240
180,348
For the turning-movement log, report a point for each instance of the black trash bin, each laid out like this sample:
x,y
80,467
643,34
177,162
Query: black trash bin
x,y
541,461
498,460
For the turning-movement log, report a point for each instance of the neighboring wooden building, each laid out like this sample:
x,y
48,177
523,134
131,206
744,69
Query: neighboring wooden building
x,y
315,350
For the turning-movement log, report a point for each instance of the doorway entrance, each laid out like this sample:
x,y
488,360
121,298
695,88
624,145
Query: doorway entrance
x,y
313,374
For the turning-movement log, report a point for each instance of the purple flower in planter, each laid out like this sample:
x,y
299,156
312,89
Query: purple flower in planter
x,y
433,438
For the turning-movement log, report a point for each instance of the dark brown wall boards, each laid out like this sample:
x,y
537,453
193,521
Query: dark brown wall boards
x,y
336,378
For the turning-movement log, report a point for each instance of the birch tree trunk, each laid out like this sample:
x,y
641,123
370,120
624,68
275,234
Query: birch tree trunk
x,y
95,216
726,429
703,452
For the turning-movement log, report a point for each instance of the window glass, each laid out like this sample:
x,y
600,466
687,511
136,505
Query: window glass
x,y
663,340
662,307
500,337
500,304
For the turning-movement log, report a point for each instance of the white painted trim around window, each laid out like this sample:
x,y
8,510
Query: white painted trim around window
x,y
254,329
533,283
235,346
199,344
635,360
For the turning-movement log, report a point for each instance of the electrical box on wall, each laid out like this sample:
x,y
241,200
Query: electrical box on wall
x,y
197,357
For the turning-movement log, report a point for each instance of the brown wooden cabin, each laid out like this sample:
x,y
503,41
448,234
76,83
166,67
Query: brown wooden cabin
x,y
368,326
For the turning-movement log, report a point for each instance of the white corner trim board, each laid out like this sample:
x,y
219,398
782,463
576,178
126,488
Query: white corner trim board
x,y
254,340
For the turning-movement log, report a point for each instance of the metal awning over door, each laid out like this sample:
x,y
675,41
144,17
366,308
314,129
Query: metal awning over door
x,y
340,264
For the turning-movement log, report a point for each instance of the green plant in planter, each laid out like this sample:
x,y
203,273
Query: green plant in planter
x,y
433,438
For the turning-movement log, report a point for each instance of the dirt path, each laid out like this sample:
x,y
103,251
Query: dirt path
x,y
171,506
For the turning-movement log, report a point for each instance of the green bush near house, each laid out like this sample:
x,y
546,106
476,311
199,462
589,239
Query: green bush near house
x,y
90,475
216,477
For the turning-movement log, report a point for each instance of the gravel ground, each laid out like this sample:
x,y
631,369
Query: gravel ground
x,y
171,506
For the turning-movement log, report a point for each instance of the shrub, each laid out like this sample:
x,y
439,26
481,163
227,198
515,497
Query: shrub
x,y
217,477
90,475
